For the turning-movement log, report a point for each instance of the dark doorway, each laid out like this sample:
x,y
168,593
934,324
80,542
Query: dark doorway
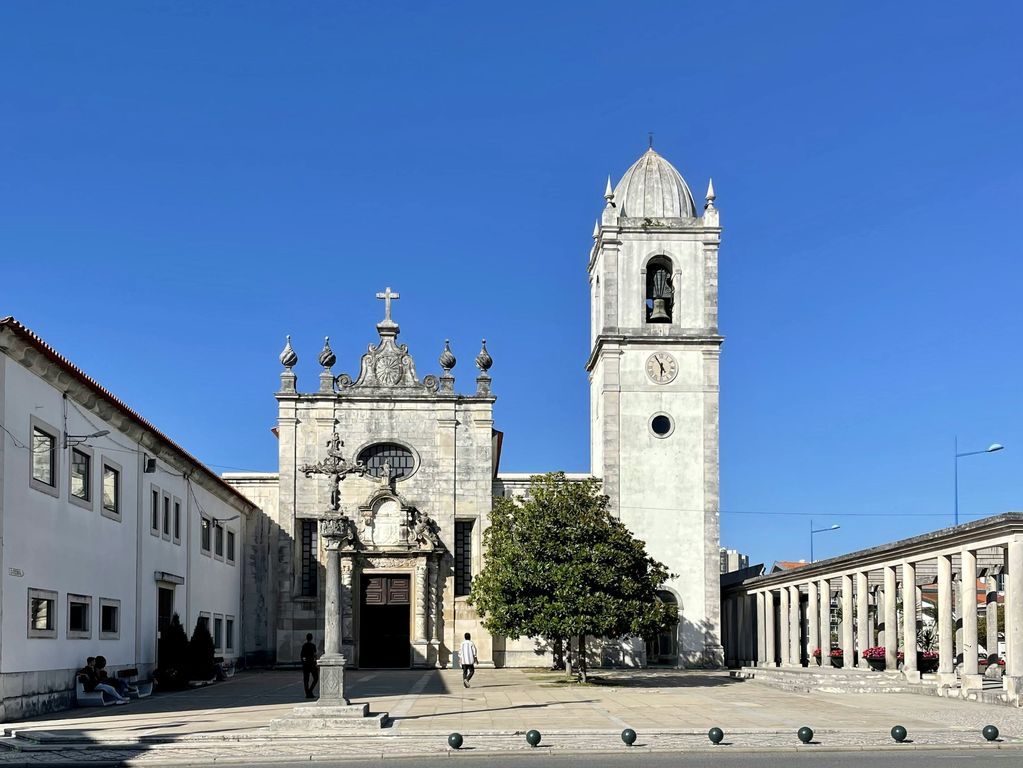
x,y
164,613
384,623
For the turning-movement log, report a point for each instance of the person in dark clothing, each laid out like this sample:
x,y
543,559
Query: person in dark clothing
x,y
310,672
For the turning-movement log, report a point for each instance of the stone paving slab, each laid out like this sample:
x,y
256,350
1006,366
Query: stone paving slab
x,y
671,711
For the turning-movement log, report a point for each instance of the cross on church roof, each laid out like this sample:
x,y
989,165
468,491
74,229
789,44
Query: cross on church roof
x,y
387,296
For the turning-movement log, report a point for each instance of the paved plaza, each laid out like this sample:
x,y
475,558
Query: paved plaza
x,y
228,722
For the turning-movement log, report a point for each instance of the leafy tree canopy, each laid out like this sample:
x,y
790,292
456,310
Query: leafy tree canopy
x,y
557,564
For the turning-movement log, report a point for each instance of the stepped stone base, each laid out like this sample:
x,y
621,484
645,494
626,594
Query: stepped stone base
x,y
828,680
319,718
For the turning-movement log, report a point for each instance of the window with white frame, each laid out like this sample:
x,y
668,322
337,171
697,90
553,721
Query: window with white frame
x,y
111,489
45,457
154,510
230,546
177,520
218,540
205,527
42,613
166,516
204,619
218,632
109,618
80,487
229,633
79,611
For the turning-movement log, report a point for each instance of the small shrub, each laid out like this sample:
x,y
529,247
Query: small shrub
x,y
200,653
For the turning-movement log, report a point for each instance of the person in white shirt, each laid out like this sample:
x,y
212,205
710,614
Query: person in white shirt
x,y
467,653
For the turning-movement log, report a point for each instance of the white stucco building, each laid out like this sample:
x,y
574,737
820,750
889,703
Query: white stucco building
x,y
107,528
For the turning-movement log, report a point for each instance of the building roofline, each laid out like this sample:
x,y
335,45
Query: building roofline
x,y
27,335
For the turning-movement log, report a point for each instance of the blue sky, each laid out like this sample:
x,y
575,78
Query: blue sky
x,y
181,184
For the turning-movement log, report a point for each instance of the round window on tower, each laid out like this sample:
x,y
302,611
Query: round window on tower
x,y
661,425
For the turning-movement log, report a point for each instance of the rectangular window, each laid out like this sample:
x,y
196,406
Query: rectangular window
x,y
218,632
229,633
463,557
230,546
218,540
111,489
310,567
204,619
166,516
44,457
177,520
42,616
81,468
109,618
154,513
204,537
79,608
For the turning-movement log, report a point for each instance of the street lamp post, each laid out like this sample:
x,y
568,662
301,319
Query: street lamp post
x,y
990,449
819,530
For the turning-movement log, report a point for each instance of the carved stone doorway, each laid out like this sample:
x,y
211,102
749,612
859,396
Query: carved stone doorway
x,y
385,622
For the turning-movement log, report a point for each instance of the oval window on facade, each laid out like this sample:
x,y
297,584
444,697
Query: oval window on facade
x,y
401,460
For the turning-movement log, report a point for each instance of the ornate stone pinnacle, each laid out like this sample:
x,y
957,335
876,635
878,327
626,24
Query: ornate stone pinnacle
x,y
447,360
596,229
483,359
609,194
327,356
711,197
288,357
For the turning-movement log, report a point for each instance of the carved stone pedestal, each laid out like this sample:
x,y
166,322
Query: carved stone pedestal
x,y
332,712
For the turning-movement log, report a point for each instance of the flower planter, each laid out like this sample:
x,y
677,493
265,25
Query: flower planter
x,y
878,665
837,661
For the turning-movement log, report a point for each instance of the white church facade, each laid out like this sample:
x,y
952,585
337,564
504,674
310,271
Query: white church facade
x,y
108,527
431,453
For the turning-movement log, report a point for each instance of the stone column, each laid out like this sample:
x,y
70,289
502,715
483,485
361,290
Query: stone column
x,y
847,625
991,613
813,628
891,621
862,611
1013,683
957,602
347,617
769,650
786,628
825,611
761,630
909,621
332,663
946,630
796,632
970,677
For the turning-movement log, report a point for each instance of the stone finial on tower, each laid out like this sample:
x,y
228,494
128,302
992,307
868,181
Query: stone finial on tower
x,y
709,205
609,193
327,359
483,362
447,362
387,327
289,359
596,228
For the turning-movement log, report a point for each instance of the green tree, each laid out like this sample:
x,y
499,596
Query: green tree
x,y
173,656
558,565
200,652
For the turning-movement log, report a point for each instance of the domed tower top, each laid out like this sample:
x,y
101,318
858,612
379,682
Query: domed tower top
x,y
652,188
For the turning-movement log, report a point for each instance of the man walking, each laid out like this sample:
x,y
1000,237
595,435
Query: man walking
x,y
310,672
467,653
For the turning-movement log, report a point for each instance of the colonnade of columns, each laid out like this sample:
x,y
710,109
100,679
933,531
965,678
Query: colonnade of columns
x,y
797,616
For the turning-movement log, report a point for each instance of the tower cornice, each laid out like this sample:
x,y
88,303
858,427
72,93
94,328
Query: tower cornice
x,y
613,337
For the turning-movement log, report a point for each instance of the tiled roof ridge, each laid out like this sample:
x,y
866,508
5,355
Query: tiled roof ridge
x,y
39,343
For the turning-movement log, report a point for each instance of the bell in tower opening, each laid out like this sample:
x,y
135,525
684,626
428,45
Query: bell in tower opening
x,y
659,293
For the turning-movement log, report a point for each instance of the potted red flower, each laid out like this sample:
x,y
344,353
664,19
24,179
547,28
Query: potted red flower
x,y
837,658
875,658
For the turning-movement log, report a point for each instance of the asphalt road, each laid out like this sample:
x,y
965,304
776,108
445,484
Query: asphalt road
x,y
909,758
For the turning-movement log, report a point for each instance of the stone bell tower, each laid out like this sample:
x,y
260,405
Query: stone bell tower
x,y
653,370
